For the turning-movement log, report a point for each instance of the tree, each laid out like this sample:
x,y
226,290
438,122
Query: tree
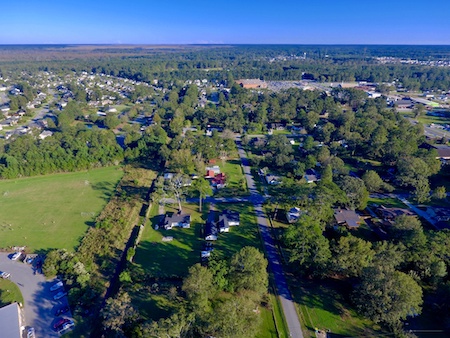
x,y
117,312
419,110
356,192
440,193
235,317
248,271
308,247
351,255
198,286
372,180
408,230
176,187
203,188
388,296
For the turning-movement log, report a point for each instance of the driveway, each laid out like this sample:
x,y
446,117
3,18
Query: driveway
x,y
273,256
39,305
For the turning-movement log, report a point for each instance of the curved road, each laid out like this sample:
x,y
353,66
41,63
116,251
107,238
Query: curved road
x,y
273,256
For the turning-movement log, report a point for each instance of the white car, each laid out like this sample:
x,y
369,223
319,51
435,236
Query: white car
x,y
59,295
30,333
4,274
16,256
56,286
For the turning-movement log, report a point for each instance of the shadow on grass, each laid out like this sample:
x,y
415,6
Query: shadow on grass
x,y
106,188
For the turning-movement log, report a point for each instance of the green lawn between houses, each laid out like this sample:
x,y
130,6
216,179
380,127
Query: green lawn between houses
x,y
168,259
53,211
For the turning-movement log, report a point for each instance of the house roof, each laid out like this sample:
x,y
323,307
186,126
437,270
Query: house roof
x,y
349,217
391,213
228,216
177,218
10,321
443,150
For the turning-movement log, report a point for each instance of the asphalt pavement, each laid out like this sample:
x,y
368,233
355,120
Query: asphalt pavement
x,y
273,256
39,306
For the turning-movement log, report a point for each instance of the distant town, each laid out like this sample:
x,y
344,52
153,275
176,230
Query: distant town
x,y
224,191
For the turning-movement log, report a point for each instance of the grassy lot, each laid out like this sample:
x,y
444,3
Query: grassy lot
x,y
387,202
53,211
236,184
9,293
321,305
170,258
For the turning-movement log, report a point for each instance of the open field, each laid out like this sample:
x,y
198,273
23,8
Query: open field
x,y
53,211
9,293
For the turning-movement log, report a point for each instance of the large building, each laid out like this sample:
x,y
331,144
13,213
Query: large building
x,y
11,321
252,83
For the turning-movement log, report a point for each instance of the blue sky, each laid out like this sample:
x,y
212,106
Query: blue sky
x,y
227,21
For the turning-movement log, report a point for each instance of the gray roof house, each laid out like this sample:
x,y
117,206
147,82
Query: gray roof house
x,y
349,218
177,220
227,219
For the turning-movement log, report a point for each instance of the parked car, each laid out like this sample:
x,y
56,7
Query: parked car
x,y
30,333
4,274
16,256
66,326
59,295
60,322
62,310
56,286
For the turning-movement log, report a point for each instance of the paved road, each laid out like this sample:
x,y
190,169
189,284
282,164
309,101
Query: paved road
x,y
39,305
273,256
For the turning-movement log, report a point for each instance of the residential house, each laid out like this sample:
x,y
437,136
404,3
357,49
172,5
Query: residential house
x,y
210,230
177,220
348,218
212,171
404,104
443,152
311,176
228,219
219,181
45,134
390,214
273,179
293,214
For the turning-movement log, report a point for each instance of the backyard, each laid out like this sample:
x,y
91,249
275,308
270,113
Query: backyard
x,y
168,262
53,211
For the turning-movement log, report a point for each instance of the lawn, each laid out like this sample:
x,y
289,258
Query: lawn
x,y
387,202
53,211
9,293
236,184
170,258
321,305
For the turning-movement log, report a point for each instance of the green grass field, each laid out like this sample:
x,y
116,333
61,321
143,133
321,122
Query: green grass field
x,y
9,293
322,306
53,211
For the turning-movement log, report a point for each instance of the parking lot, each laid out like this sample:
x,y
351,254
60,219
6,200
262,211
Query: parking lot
x,y
39,307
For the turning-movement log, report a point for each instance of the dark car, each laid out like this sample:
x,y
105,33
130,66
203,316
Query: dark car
x,y
62,310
